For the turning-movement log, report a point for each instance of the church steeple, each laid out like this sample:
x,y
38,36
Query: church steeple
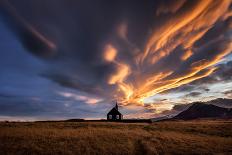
x,y
116,106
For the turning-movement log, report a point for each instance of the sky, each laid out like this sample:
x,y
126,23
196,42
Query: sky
x,y
62,59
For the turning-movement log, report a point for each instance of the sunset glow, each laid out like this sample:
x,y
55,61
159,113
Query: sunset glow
x,y
80,57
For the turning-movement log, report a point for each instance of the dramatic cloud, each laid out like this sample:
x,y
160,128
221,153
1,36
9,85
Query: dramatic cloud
x,y
125,50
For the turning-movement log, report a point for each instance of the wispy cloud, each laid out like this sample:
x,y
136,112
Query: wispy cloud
x,y
86,99
124,50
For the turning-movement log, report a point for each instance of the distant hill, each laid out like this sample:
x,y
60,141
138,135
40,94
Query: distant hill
x,y
202,110
221,102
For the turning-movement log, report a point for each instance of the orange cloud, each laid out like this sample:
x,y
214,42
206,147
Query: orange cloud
x,y
186,55
122,72
183,29
109,53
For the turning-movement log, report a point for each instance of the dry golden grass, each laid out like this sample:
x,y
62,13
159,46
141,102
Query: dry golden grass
x,y
171,137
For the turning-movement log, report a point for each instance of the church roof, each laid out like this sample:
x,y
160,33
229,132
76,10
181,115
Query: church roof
x,y
114,111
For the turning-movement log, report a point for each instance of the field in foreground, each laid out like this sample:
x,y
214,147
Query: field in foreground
x,y
169,137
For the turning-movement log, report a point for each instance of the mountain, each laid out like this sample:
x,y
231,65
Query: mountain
x,y
202,110
221,102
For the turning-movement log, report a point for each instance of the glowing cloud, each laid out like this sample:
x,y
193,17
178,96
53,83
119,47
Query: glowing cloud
x,y
109,53
131,52
185,30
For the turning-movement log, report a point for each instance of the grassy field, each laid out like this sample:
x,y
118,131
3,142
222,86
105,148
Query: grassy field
x,y
170,137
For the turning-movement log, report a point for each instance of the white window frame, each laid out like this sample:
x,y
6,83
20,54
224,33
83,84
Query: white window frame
x,y
117,116
110,116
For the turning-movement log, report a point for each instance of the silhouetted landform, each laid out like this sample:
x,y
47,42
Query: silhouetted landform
x,y
103,120
220,102
202,110
136,121
74,120
177,109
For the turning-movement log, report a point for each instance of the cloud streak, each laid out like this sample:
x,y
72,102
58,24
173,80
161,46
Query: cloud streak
x,y
124,50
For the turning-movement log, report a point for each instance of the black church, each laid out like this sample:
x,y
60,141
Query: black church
x,y
114,114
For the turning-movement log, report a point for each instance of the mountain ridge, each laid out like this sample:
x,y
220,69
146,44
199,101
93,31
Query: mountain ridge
x,y
203,110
